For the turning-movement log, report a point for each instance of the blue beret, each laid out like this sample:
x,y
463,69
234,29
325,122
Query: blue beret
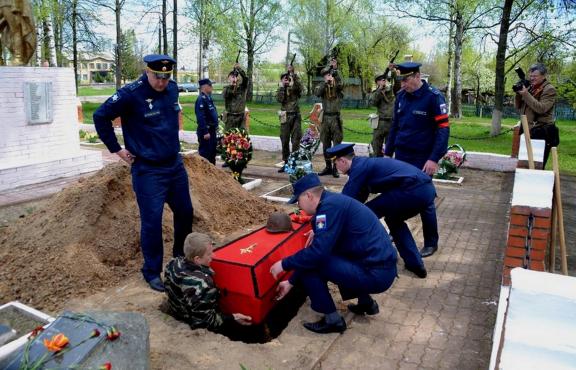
x,y
205,81
408,68
309,181
339,150
159,63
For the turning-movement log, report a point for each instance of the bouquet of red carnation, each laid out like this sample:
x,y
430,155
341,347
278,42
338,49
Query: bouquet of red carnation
x,y
451,162
236,150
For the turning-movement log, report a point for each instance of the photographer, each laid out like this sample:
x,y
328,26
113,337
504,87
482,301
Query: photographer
x,y
537,103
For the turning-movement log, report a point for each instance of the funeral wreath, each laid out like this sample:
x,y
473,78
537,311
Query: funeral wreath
x,y
235,149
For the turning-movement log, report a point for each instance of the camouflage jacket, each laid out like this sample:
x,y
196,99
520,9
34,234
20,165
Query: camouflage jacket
x,y
235,99
288,96
383,100
192,295
331,95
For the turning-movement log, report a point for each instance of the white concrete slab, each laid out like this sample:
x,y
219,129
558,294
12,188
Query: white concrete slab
x,y
533,188
537,149
539,330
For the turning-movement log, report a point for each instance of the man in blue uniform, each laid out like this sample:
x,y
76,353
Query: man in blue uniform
x,y
404,190
419,135
207,118
149,111
349,247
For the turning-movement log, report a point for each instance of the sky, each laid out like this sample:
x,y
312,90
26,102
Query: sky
x,y
146,28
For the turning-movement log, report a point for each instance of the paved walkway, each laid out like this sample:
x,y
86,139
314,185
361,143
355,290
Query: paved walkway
x,y
446,320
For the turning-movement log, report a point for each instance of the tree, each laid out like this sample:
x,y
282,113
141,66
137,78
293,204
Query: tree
x,y
249,26
465,16
205,12
525,28
321,27
116,6
131,65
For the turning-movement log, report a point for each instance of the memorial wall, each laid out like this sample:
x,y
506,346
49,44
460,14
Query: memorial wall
x,y
39,127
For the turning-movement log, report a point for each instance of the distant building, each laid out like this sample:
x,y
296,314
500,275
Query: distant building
x,y
95,69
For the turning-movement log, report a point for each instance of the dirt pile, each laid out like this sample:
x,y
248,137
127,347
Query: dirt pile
x,y
86,238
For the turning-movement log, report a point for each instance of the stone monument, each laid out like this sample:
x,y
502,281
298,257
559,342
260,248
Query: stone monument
x,y
17,31
39,138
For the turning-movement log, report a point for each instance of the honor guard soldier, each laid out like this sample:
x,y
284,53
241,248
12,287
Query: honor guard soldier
x,y
419,134
383,99
207,118
404,191
349,247
235,99
149,111
288,95
330,90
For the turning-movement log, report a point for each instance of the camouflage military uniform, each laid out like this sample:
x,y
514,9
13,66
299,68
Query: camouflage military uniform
x,y
383,99
235,103
292,127
331,129
192,295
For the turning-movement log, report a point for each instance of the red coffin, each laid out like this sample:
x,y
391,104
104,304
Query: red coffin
x,y
243,269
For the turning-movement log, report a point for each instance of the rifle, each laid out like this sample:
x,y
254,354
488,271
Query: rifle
x,y
292,61
387,70
235,71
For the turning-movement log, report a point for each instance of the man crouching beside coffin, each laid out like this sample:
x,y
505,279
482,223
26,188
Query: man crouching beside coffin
x,y
349,247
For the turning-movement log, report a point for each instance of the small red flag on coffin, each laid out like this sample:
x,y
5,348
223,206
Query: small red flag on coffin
x,y
243,269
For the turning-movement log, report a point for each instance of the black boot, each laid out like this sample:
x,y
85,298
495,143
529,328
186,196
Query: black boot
x,y
335,171
327,170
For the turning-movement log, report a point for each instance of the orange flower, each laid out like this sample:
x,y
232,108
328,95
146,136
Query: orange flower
x,y
57,343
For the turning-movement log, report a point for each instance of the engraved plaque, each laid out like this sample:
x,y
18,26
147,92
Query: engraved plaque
x,y
38,98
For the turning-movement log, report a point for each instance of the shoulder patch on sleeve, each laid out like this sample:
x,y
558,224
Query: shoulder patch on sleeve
x,y
320,222
114,98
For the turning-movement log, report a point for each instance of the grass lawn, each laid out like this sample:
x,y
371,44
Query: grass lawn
x,y
472,133
95,91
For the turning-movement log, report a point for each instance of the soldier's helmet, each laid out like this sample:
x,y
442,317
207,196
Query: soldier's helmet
x,y
279,222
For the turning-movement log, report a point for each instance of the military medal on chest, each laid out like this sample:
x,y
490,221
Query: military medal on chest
x,y
149,101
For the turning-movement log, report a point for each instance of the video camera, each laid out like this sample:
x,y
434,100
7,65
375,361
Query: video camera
x,y
523,81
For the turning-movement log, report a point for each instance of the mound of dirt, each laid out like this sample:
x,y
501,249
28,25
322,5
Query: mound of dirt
x,y
86,238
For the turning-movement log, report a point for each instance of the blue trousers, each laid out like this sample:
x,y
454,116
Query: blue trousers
x,y
353,280
154,186
397,206
207,148
427,215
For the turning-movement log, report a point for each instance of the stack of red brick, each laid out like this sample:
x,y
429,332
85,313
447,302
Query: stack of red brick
x,y
538,241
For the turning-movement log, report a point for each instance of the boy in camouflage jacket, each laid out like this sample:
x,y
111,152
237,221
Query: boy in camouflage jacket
x,y
190,288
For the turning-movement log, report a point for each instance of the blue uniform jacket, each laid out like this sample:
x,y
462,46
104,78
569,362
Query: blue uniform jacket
x,y
420,123
346,228
378,175
149,120
206,114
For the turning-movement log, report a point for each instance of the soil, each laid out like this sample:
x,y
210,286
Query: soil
x,y
86,238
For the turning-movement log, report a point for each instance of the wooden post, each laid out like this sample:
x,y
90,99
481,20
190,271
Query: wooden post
x,y
526,129
558,197
553,239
